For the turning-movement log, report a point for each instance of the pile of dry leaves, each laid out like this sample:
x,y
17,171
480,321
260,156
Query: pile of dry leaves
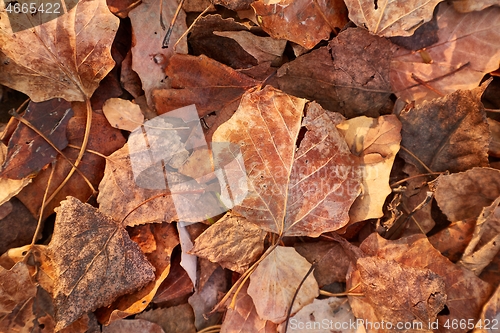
x,y
284,165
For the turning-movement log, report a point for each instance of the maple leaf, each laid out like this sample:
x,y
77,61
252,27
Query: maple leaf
x,y
350,75
66,57
304,22
391,18
304,190
467,49
94,259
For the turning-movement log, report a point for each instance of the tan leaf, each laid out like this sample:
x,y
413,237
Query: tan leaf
x,y
94,259
490,316
391,18
66,57
175,319
304,22
463,195
149,59
485,242
244,318
261,48
238,251
274,282
332,314
350,75
464,6
134,325
166,239
465,292
377,143
304,190
447,133
123,114
468,48
9,187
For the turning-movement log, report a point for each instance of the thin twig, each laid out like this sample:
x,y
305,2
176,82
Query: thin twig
x,y
192,25
399,182
39,224
417,159
166,40
289,312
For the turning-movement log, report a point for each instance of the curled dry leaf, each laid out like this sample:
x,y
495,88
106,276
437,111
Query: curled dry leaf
x,y
485,242
294,188
376,141
465,292
490,313
66,57
350,75
468,48
463,195
149,59
17,293
123,114
244,318
94,259
391,18
9,187
232,242
275,281
165,239
208,84
28,152
448,133
304,22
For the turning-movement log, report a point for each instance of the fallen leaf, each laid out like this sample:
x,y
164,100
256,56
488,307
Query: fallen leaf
x,y
465,292
463,195
237,252
94,259
129,79
149,59
66,57
134,325
264,49
454,61
274,282
453,240
121,8
448,133
376,141
28,152
424,36
234,4
17,225
175,319
166,239
350,75
123,114
333,314
176,286
304,190
465,6
244,318
209,84
488,321
103,139
494,149
485,242
9,187
391,18
304,22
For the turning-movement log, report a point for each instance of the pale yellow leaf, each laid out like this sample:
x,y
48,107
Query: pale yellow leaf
x,y
123,114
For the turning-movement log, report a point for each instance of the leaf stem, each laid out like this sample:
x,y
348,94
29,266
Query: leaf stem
x,y
417,159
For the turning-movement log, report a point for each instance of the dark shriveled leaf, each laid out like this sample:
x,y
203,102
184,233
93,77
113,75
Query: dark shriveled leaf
x,y
94,259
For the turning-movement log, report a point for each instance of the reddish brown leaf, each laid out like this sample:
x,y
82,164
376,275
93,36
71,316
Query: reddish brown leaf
x,y
304,22
66,57
453,240
489,319
210,85
17,225
176,286
448,133
95,261
28,152
350,75
234,4
134,325
304,190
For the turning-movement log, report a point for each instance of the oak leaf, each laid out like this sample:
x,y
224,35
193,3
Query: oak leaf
x,y
71,52
447,133
468,48
376,141
391,18
303,188
94,259
274,282
304,22
350,75
28,152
